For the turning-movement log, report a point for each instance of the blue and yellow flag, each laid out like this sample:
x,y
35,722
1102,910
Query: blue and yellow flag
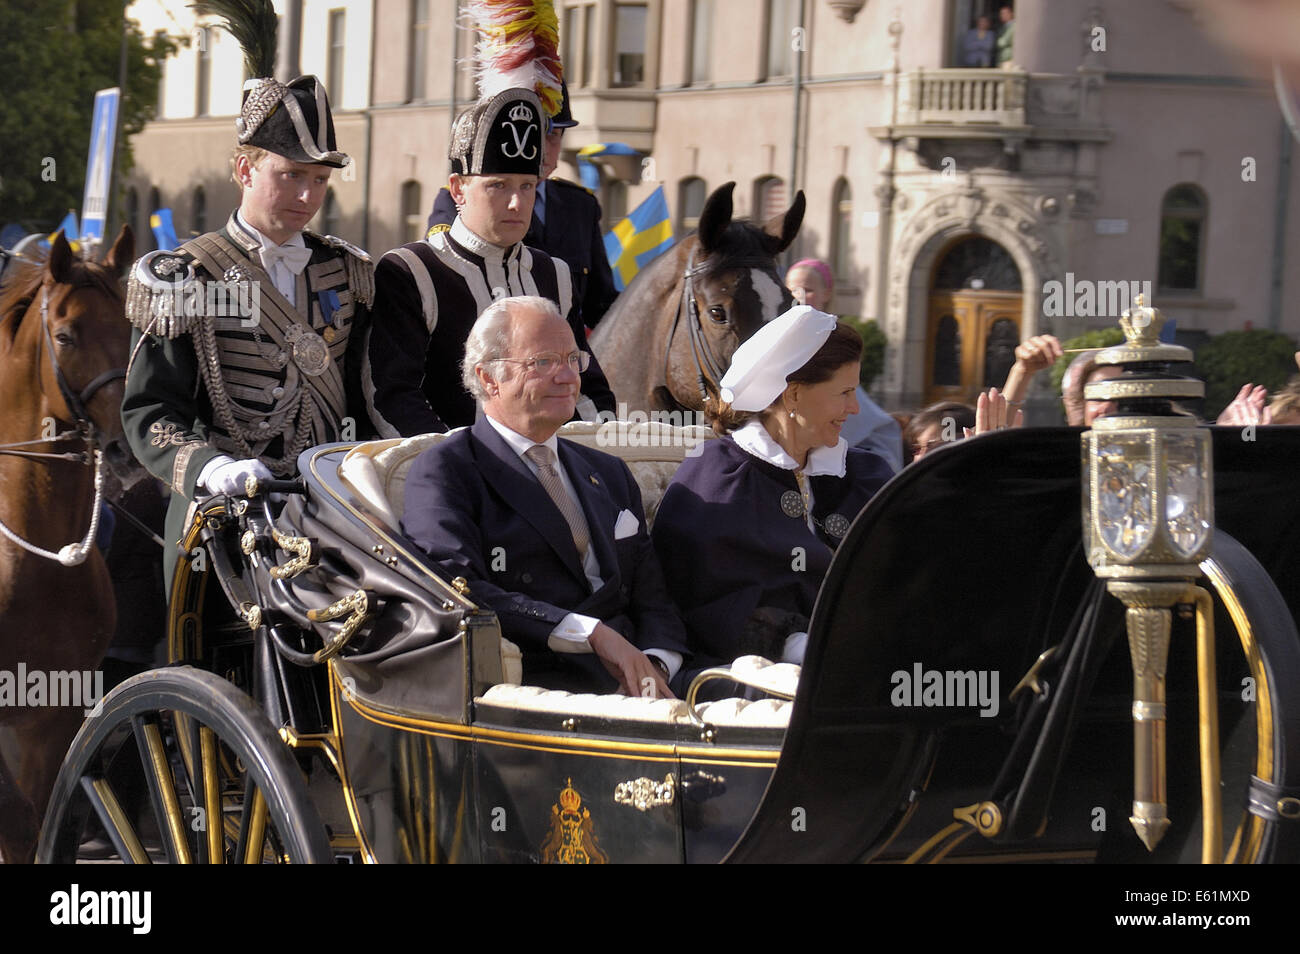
x,y
70,232
164,232
639,239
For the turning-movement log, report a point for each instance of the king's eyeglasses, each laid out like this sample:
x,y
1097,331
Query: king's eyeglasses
x,y
548,362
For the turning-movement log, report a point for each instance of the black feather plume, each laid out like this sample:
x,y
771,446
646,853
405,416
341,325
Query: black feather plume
x,y
253,25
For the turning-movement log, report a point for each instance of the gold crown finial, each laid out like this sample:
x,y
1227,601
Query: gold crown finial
x,y
1142,324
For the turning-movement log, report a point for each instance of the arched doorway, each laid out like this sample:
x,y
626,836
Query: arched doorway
x,y
974,320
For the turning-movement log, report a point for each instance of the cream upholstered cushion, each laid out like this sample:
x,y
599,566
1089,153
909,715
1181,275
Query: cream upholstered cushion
x,y
760,713
651,449
376,472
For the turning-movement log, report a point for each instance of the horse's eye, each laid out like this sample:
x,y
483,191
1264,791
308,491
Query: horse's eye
x,y
63,339
718,313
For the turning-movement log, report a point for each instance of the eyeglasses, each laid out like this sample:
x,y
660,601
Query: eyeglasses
x,y
548,362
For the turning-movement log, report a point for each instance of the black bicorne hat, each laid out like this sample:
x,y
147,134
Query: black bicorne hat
x,y
564,118
499,136
293,121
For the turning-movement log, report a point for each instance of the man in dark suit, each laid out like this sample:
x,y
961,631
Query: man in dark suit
x,y
562,554
565,224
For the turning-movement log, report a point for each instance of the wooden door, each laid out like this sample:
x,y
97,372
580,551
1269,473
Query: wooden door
x,y
970,343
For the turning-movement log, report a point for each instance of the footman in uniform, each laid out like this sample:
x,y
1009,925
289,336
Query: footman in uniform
x,y
565,224
247,341
429,293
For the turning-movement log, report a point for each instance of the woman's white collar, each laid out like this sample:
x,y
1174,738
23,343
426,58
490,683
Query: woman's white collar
x,y
754,439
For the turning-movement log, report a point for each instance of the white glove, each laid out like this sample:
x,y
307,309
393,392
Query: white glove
x,y
228,476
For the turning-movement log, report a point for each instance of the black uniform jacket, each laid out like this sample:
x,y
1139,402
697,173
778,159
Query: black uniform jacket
x,y
571,232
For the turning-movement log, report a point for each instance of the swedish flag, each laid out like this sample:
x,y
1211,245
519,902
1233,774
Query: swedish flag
x,y
639,238
70,231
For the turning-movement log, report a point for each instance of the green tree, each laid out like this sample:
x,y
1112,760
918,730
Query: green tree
x,y
55,54
873,348
1229,360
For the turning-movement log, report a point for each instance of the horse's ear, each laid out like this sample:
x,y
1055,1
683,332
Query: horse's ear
x,y
122,254
59,265
783,228
716,217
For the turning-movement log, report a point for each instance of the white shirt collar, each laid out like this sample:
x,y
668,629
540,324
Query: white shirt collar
x,y
754,440
518,443
471,242
265,242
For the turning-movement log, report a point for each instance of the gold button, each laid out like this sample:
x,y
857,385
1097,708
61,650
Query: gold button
x,y
329,334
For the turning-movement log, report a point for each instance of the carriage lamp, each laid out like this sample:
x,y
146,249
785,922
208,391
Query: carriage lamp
x,y
1148,511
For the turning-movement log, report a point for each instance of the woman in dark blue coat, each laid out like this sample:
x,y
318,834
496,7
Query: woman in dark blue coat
x,y
746,529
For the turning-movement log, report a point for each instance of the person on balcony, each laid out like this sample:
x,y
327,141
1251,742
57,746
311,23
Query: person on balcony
x,y
978,47
1006,36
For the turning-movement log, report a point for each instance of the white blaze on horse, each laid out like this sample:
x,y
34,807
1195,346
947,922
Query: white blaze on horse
x,y
64,341
669,337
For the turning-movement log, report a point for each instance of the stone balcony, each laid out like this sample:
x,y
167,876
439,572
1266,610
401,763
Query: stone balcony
x,y
1010,105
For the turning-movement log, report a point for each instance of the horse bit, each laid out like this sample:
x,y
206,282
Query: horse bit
x,y
73,554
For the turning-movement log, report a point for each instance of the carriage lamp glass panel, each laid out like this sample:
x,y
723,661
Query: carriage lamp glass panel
x,y
1124,492
1187,498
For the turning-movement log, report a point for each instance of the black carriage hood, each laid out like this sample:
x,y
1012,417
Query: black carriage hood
x,y
968,560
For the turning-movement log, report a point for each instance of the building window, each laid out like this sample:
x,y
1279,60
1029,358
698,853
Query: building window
x,y
203,82
842,230
945,369
588,43
1182,239
569,26
329,212
979,264
629,44
334,71
418,81
1000,351
614,204
769,198
690,203
782,17
701,40
413,219
199,211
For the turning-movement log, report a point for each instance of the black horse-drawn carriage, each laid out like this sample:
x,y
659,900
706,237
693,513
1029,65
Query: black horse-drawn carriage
x,y
364,708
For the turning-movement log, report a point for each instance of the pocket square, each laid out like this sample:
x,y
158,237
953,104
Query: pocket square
x,y
627,525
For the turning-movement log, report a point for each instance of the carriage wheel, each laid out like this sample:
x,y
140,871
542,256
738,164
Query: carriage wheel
x,y
258,810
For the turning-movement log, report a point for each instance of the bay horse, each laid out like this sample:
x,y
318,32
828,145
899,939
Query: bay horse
x,y
669,338
64,341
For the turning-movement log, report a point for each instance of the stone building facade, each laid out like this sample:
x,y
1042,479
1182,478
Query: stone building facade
x,y
958,205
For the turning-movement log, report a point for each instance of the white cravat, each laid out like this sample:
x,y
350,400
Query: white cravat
x,y
284,263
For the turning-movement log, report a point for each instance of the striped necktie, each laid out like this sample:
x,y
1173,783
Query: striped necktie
x,y
542,456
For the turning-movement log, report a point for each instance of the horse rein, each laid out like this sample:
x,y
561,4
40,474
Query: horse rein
x,y
86,431
708,370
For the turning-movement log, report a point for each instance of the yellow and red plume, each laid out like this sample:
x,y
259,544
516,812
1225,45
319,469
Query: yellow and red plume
x,y
518,47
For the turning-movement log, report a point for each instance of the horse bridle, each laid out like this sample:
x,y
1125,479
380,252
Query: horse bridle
x,y
86,431
708,370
